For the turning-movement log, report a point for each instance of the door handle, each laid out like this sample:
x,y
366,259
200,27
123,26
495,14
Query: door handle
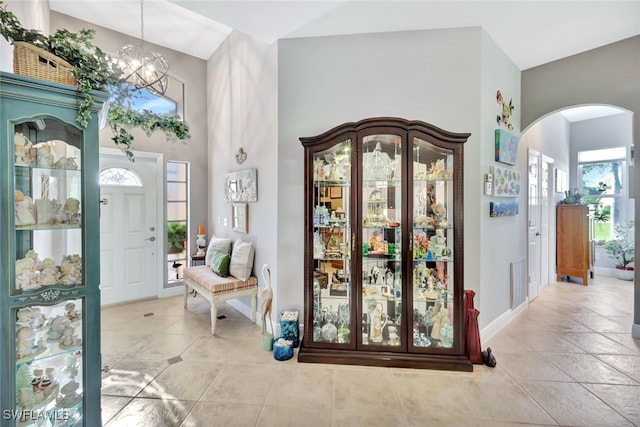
x,y
538,234
152,238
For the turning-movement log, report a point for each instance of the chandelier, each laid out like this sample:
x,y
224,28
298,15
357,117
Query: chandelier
x,y
142,67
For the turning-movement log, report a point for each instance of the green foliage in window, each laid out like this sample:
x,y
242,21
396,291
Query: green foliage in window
x,y
176,236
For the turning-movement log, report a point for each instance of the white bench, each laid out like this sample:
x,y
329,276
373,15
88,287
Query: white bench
x,y
217,289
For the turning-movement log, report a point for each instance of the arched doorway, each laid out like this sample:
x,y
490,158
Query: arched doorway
x,y
564,133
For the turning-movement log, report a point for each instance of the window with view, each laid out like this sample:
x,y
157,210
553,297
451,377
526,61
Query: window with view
x,y
603,179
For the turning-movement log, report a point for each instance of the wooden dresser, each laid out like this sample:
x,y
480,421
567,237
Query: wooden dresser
x,y
574,241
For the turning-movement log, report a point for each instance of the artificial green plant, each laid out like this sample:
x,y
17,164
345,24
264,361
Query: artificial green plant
x,y
95,69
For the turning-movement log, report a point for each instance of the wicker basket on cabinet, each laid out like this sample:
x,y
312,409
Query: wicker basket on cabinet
x,y
32,61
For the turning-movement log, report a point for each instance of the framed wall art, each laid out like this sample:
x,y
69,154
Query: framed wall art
x,y
506,182
506,147
240,217
241,186
561,181
503,208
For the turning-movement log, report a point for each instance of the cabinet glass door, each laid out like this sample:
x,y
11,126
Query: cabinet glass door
x,y
48,200
49,377
381,253
432,241
48,206
332,244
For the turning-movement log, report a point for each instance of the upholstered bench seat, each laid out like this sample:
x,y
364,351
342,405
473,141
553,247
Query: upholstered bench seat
x,y
216,289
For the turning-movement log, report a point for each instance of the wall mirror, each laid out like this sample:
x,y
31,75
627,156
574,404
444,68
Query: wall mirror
x,y
240,217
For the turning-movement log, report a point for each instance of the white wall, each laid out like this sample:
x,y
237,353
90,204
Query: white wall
x,y
242,102
501,239
183,67
445,77
549,136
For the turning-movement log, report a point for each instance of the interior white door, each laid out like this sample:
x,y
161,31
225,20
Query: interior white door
x,y
533,228
129,229
546,191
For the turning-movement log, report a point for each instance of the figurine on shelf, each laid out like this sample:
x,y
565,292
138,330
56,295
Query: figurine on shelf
x,y
437,170
56,326
66,163
72,211
71,364
446,336
439,320
318,169
44,384
68,339
69,395
26,274
334,173
318,246
24,342
31,317
430,293
44,156
438,210
22,148
24,209
48,276
71,270
70,312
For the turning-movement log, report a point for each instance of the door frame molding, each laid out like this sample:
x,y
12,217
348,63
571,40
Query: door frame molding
x,y
160,211
550,212
533,152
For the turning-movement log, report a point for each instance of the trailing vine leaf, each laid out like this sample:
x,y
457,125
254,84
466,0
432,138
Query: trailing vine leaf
x,y
149,122
95,69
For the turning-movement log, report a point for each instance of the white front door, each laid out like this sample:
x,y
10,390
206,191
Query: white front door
x,y
130,227
533,218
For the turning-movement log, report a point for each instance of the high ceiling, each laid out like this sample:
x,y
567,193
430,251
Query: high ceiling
x,y
531,33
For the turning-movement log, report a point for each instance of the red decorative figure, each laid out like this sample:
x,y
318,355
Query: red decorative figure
x,y
473,350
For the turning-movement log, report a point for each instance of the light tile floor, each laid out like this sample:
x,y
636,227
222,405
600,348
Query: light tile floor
x,y
568,360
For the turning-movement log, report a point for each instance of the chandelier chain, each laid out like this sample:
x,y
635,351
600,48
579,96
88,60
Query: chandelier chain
x,y
142,22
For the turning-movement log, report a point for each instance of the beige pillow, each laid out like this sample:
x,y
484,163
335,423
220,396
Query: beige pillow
x,y
241,259
217,244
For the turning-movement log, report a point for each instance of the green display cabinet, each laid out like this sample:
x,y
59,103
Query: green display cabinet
x,y
49,256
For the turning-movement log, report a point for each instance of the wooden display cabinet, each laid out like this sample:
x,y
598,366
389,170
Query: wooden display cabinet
x,y
575,245
383,246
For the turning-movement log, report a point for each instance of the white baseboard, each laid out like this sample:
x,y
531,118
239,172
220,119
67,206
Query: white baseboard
x,y
243,308
172,291
501,321
604,271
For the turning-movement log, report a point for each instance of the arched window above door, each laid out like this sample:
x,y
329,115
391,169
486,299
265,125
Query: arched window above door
x,y
120,176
